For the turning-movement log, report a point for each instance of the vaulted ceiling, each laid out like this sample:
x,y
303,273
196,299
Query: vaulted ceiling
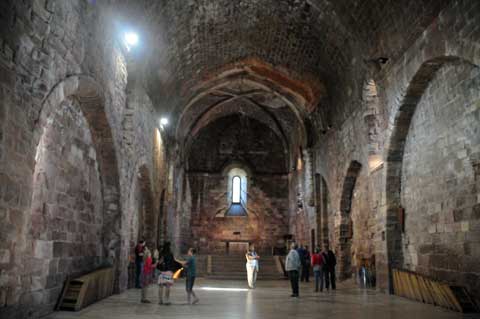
x,y
206,59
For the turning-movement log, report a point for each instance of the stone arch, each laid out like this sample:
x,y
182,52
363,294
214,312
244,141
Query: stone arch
x,y
395,150
295,101
90,99
372,117
344,231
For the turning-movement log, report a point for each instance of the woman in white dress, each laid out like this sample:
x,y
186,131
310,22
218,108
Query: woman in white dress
x,y
252,266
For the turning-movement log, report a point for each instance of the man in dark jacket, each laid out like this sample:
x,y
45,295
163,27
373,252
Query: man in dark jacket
x,y
301,253
306,264
329,268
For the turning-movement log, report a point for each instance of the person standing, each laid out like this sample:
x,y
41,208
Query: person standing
x,y
166,266
191,269
329,268
147,272
252,266
317,264
139,252
155,258
331,262
306,264
301,254
292,266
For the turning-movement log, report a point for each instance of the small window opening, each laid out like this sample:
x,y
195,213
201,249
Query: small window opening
x,y
236,190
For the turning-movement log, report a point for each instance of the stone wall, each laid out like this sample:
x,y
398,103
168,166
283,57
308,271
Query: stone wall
x,y
440,179
266,222
405,126
374,135
52,53
235,142
66,216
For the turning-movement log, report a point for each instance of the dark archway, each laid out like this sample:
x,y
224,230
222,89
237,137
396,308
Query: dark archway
x,y
344,232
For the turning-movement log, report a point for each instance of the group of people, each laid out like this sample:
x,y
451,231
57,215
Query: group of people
x,y
298,264
160,267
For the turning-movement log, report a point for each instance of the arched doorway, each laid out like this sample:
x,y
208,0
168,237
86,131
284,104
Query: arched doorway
x,y
345,228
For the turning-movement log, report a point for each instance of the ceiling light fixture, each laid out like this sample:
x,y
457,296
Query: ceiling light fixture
x,y
130,39
163,121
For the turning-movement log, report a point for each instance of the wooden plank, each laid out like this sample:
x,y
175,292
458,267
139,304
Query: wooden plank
x,y
403,284
408,284
396,288
436,298
416,290
453,299
427,294
438,291
64,291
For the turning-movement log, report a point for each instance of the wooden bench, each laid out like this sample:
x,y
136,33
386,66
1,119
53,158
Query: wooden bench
x,y
85,290
427,290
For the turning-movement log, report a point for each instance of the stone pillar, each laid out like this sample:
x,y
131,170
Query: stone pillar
x,y
309,169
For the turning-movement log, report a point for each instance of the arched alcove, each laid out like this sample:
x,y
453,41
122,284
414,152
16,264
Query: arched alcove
x,y
75,220
345,227
444,126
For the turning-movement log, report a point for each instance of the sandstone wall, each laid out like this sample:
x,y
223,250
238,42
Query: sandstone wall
x,y
375,136
63,95
266,222
440,179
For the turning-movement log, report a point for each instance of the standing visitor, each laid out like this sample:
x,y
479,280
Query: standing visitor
x,y
139,249
191,269
166,266
329,268
155,258
306,264
147,272
325,268
300,252
252,266
292,266
317,264
332,262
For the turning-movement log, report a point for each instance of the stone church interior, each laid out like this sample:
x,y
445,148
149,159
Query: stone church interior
x,y
218,124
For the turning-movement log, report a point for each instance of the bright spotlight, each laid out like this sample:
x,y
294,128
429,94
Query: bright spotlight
x,y
131,39
163,121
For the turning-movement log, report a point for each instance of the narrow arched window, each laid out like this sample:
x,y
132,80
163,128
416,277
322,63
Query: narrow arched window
x,y
236,189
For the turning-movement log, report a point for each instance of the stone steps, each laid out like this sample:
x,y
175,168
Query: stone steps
x,y
234,268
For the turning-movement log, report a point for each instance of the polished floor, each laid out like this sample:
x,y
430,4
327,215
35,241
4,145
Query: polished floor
x,y
271,299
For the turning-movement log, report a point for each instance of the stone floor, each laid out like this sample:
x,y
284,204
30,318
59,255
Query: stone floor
x,y
270,300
